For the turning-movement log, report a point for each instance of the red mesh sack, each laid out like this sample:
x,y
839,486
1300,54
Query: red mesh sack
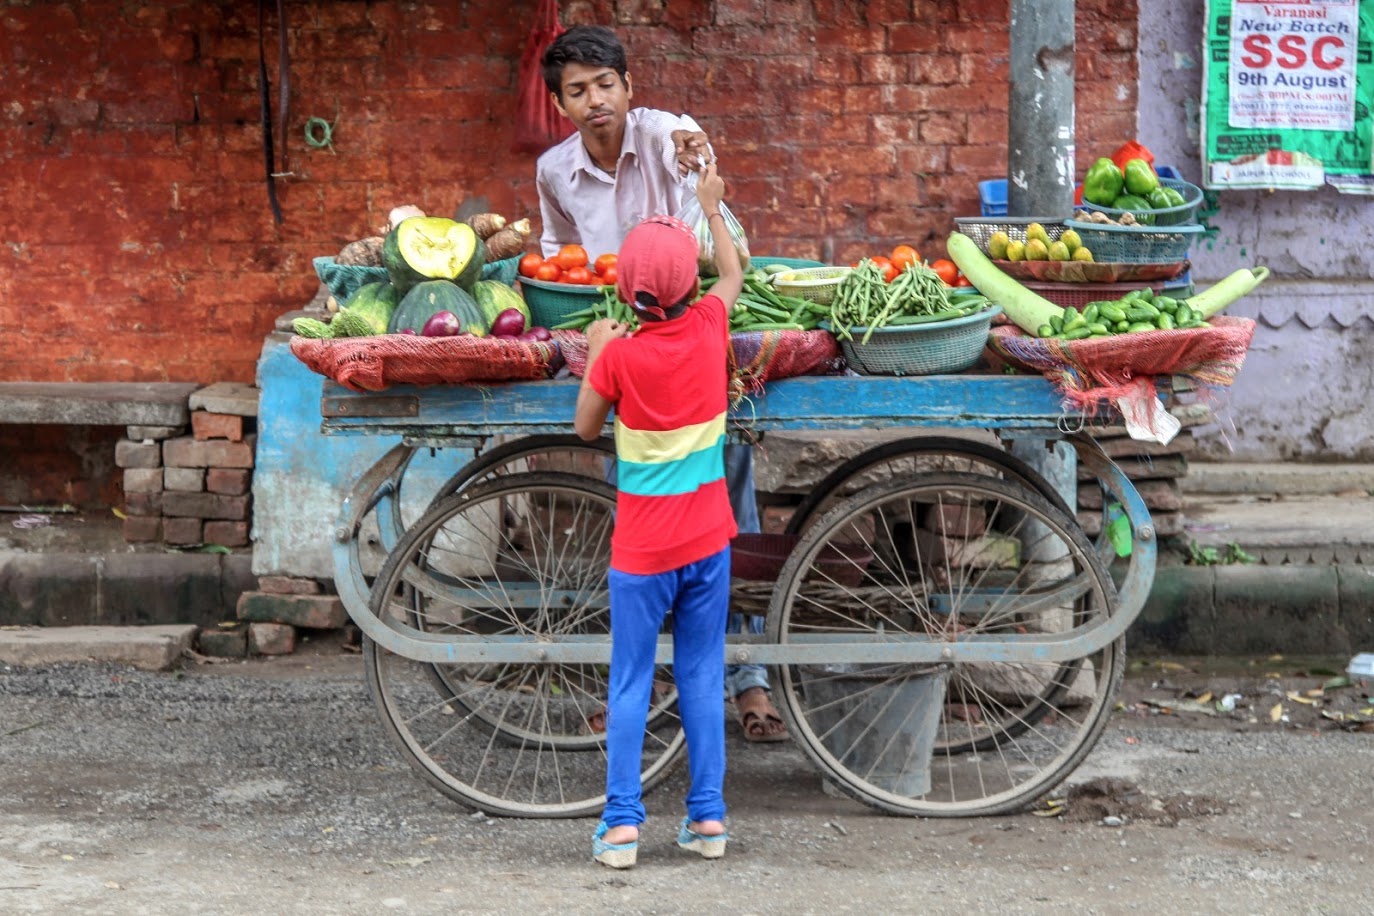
x,y
375,363
538,125
756,357
1093,372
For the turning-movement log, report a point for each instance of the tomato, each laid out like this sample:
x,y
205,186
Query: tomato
x,y
548,271
570,256
610,275
890,270
946,269
604,262
579,275
904,256
529,264
962,280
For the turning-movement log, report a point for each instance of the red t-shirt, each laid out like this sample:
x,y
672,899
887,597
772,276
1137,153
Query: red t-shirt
x,y
669,386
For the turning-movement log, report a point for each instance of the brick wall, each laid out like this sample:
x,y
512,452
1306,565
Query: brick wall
x,y
138,244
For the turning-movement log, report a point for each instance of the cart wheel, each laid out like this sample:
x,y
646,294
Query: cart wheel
x,y
524,555
946,558
910,457
567,454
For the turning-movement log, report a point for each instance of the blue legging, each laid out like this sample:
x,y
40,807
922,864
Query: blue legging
x,y
699,596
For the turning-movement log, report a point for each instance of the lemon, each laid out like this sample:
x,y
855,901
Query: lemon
x,y
1037,250
1016,251
1059,251
997,245
1072,240
1082,254
1036,231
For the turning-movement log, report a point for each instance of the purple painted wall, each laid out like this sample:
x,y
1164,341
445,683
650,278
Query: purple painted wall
x,y
1307,389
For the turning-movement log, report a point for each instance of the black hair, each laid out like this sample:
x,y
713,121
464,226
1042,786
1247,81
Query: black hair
x,y
594,45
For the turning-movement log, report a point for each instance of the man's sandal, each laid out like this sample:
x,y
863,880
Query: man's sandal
x,y
708,847
615,855
758,718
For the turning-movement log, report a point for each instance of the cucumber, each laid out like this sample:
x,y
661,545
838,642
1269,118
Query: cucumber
x,y
1024,307
1221,294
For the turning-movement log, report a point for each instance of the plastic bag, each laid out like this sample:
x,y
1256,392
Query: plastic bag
x,y
538,125
691,213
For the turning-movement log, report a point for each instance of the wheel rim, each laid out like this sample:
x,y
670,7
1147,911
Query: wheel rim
x,y
521,556
950,557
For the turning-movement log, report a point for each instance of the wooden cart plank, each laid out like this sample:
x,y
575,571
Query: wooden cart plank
x,y
811,402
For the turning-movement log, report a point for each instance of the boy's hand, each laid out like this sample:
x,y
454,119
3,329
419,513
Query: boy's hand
x,y
603,331
710,189
691,147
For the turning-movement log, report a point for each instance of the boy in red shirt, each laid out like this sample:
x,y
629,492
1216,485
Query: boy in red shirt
x,y
671,544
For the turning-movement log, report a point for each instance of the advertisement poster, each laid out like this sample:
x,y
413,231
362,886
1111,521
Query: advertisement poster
x,y
1287,95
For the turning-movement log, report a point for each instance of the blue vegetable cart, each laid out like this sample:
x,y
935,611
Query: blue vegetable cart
x,y
944,638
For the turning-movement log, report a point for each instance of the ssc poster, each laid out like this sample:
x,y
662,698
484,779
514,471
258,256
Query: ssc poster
x,y
1288,89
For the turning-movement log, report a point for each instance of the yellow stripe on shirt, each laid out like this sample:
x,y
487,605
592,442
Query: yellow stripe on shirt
x,y
660,447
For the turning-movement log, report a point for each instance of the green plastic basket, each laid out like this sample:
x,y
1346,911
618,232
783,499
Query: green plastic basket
x,y
1168,216
552,303
921,349
1136,244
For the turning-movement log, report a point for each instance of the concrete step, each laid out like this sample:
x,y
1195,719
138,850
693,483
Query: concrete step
x,y
156,648
1289,479
1312,529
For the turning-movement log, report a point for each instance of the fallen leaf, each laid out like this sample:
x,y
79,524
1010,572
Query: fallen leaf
x,y
113,885
1276,658
1276,713
1336,682
412,862
119,513
1132,740
1206,697
1171,666
1333,716
1319,692
1299,698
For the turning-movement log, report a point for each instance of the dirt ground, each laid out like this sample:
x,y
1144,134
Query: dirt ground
x,y
268,787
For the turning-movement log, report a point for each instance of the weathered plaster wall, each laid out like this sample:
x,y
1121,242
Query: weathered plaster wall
x,y
1304,392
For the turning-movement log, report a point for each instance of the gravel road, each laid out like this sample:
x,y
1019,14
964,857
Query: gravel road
x,y
267,787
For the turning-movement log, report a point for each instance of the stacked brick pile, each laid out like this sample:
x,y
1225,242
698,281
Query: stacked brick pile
x,y
186,490
272,619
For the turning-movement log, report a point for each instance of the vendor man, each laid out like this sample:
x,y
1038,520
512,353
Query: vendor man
x,y
622,166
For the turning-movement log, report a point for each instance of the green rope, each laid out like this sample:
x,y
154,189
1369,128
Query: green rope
x,y
319,133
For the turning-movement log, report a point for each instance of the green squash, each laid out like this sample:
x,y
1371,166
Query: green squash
x,y
432,296
432,248
495,297
367,312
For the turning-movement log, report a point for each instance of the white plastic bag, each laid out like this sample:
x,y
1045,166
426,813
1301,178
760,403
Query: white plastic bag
x,y
692,214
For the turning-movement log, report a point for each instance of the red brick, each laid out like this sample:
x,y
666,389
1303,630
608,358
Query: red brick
x,y
956,521
143,503
207,425
129,454
775,518
140,529
288,585
182,531
271,639
226,534
315,612
229,481
205,505
186,452
185,480
142,480
223,642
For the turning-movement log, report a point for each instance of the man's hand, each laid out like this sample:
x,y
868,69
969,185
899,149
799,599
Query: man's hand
x,y
692,147
602,332
710,190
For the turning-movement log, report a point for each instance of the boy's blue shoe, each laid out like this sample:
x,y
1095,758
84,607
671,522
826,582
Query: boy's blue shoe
x,y
708,847
616,855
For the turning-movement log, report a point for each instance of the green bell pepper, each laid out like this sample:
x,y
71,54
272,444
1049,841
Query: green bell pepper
x,y
1159,199
1175,198
1140,178
1103,183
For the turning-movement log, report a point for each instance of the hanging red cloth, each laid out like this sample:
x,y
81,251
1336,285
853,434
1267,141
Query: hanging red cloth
x,y
538,125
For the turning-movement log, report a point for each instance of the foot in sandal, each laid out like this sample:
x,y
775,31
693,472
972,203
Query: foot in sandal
x,y
705,838
758,717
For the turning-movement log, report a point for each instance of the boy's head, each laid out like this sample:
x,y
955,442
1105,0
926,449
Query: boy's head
x,y
590,45
657,267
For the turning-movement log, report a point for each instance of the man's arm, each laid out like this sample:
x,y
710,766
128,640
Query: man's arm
x,y
592,408
710,191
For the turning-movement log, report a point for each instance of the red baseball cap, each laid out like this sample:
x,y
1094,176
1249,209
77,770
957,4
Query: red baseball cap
x,y
657,264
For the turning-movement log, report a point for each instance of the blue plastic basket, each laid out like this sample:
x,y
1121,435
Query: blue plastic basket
x,y
992,195
343,280
1136,244
761,261
1169,216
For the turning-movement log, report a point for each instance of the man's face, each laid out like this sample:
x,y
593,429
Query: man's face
x,y
594,99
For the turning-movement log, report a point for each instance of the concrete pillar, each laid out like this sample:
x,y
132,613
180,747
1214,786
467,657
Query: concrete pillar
x,y
1040,128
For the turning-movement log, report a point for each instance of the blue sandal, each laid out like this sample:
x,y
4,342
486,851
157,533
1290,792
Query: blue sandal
x,y
708,847
615,855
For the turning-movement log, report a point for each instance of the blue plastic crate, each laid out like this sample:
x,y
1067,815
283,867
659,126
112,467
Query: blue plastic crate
x,y
992,194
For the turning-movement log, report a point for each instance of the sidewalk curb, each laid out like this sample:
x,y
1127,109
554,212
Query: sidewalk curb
x,y
149,648
1252,609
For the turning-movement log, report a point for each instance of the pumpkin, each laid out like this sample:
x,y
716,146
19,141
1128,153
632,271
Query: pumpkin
x,y
432,248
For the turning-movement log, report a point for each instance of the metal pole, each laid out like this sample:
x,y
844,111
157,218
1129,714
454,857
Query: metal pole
x,y
1040,159
1040,149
